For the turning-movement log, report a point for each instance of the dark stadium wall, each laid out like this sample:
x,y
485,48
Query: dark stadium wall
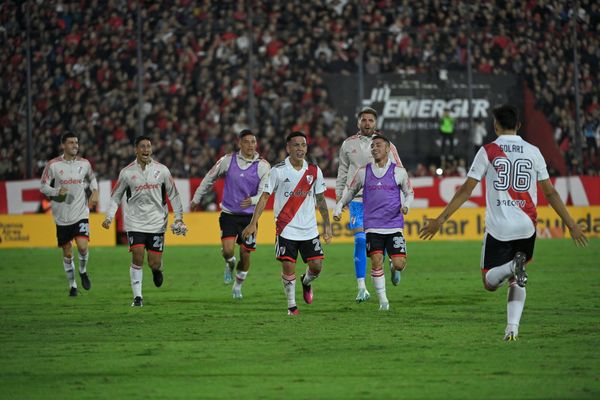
x,y
539,132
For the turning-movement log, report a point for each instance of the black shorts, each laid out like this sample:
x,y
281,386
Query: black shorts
x,y
66,233
232,227
496,252
287,250
153,242
393,243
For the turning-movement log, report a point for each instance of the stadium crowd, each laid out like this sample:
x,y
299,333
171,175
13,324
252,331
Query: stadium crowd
x,y
195,57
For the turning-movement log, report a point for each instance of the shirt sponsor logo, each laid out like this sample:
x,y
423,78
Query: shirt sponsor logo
x,y
381,186
71,181
297,193
147,186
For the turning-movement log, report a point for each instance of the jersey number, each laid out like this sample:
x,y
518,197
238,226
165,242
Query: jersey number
x,y
317,245
84,228
158,242
513,175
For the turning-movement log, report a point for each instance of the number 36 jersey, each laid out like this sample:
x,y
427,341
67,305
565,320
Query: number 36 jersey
x,y
511,167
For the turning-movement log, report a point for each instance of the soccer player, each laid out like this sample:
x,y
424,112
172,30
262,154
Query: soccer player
x,y
298,187
146,183
64,181
512,168
355,152
381,182
245,174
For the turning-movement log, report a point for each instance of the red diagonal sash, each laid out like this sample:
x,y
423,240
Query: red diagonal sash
x,y
494,151
291,207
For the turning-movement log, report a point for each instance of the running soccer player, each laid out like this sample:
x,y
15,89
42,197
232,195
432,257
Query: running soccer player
x,y
64,181
245,174
146,183
298,187
355,152
512,169
382,183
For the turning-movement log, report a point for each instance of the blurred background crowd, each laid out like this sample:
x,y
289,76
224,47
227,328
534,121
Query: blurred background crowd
x,y
195,58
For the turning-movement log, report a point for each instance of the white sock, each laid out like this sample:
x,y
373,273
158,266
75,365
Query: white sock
x,y
309,276
135,273
361,283
289,287
496,276
239,279
83,259
379,283
514,306
70,271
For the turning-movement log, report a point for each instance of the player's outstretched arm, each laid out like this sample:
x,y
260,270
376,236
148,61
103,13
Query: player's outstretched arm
x,y
260,207
432,226
557,204
322,206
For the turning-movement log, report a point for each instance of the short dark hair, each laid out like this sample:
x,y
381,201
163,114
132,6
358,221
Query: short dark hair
x,y
367,110
245,132
380,136
67,135
293,135
507,116
140,138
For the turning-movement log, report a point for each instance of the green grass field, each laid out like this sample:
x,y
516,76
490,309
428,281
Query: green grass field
x,y
442,338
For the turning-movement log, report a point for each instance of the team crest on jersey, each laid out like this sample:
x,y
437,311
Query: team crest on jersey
x,y
61,172
80,170
156,174
309,178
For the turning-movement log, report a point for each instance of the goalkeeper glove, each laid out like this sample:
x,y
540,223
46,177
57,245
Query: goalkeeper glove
x,y
179,228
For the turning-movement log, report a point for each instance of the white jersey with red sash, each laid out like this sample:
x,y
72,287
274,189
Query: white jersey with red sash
x,y
511,167
295,192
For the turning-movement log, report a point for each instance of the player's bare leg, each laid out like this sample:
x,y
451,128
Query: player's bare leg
x,y
69,267
397,265
228,251
288,278
136,274
243,267
82,249
312,272
379,280
155,264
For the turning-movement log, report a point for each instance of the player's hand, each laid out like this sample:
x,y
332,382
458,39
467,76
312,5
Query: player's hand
x,y
179,228
247,202
404,210
337,212
106,223
578,236
328,234
248,231
430,228
62,195
194,206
